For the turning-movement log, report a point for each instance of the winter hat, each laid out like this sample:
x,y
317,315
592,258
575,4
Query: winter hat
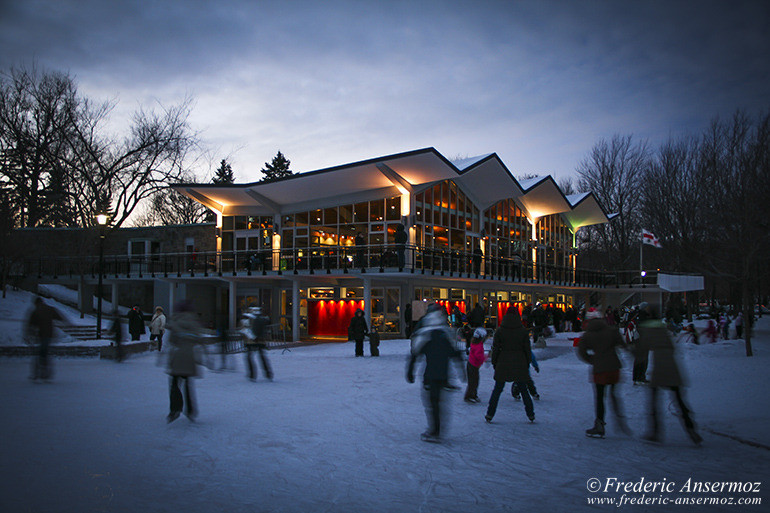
x,y
593,313
480,333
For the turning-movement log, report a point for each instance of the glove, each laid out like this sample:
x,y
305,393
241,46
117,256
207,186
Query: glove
x,y
410,378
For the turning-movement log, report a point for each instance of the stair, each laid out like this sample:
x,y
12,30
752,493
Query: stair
x,y
82,332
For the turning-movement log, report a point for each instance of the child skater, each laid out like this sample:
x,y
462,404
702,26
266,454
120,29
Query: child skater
x,y
476,357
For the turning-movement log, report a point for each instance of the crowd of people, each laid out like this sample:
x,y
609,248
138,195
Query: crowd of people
x,y
639,330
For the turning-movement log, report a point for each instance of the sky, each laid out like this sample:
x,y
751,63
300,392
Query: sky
x,y
328,83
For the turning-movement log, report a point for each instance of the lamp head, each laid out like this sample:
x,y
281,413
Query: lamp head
x,y
101,219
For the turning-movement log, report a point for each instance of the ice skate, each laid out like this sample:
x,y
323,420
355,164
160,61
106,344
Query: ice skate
x,y
531,417
172,417
430,437
488,418
597,431
694,436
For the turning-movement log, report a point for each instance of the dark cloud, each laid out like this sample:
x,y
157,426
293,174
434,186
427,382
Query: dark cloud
x,y
330,82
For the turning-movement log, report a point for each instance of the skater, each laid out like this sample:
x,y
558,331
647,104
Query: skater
x,y
183,361
255,341
434,341
40,328
476,318
135,323
476,357
530,384
511,357
739,326
117,332
598,348
357,330
158,326
665,374
223,337
408,320
640,351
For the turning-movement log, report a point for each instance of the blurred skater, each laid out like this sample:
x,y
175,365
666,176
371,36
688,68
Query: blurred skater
x,y
255,341
511,357
40,329
530,383
116,330
598,347
183,360
476,357
433,341
665,374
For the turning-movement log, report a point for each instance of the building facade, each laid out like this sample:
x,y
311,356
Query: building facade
x,y
385,232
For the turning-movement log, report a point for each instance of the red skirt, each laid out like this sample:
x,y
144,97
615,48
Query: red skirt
x,y
606,378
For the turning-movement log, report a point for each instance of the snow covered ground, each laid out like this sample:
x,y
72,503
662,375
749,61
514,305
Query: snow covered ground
x,y
341,434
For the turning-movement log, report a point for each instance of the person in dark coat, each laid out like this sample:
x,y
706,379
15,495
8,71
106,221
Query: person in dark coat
x,y
357,330
256,325
40,328
360,243
183,360
476,318
401,238
408,320
639,350
598,347
434,341
653,334
478,256
511,357
135,323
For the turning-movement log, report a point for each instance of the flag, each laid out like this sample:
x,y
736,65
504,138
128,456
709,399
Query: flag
x,y
651,239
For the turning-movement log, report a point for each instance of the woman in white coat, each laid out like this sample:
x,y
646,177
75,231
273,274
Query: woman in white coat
x,y
158,326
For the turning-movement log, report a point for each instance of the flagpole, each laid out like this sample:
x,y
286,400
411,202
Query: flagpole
x,y
641,246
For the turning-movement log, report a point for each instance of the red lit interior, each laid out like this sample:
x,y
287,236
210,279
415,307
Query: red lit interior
x,y
331,317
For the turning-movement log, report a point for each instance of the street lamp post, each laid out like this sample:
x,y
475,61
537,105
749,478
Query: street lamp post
x,y
101,220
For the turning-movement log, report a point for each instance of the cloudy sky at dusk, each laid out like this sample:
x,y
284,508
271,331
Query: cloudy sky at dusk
x,y
327,83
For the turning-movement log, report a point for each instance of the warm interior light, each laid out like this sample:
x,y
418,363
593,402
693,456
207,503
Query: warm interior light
x,y
101,219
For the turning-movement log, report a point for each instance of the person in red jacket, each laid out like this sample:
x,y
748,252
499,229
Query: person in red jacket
x,y
476,357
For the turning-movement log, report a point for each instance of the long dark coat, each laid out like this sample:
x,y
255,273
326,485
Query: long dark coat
x,y
135,322
511,351
357,329
598,346
653,336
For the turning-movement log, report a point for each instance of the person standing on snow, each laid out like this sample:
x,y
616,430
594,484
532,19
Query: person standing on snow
x,y
158,326
357,330
135,323
598,347
665,374
511,357
434,341
183,360
40,327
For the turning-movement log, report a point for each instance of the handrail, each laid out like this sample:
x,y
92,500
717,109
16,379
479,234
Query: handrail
x,y
378,258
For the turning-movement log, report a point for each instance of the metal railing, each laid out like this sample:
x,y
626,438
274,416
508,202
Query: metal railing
x,y
331,259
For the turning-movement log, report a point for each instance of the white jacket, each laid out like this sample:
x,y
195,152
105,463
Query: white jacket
x,y
158,324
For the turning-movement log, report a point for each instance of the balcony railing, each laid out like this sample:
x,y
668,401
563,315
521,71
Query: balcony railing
x,y
327,260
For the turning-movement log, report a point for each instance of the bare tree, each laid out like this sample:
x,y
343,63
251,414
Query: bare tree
x,y
167,207
613,171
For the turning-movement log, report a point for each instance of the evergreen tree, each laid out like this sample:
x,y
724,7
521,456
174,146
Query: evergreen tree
x,y
276,169
224,173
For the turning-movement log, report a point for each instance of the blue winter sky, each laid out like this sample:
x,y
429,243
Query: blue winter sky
x,y
538,82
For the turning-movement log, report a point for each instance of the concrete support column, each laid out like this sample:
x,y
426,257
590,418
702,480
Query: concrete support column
x,y
295,310
85,298
171,296
231,303
114,296
368,302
